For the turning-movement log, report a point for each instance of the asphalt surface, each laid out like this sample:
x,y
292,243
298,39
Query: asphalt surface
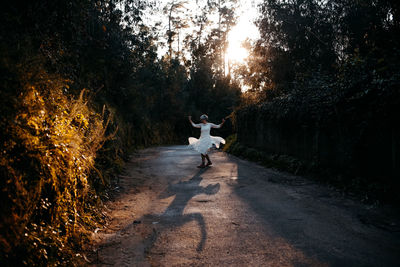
x,y
167,212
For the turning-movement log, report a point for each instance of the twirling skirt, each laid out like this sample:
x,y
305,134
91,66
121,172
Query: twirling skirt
x,y
203,144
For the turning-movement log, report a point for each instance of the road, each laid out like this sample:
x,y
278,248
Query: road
x,y
167,212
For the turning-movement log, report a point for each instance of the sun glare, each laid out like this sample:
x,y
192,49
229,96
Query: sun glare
x,y
244,29
236,53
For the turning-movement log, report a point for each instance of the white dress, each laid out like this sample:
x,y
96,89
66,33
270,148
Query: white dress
x,y
206,141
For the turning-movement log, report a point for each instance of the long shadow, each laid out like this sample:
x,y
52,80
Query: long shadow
x,y
174,217
184,191
309,223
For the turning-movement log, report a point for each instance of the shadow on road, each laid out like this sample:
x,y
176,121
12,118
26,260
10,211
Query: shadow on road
x,y
184,191
313,220
261,218
174,216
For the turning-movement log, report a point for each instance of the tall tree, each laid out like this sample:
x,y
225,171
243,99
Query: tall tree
x,y
176,22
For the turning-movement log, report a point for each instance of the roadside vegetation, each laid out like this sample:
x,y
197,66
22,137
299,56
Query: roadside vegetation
x,y
83,83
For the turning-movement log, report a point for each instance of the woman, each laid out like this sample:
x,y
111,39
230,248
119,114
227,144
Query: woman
x,y
206,141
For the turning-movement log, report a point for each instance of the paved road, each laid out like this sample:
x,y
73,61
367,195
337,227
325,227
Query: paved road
x,y
236,213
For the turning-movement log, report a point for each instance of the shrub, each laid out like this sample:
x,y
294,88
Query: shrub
x,y
48,150
230,140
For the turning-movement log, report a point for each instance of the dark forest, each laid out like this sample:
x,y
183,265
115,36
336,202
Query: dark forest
x,y
86,83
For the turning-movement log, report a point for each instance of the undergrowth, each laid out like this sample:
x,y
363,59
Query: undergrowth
x,y
359,187
48,151
280,162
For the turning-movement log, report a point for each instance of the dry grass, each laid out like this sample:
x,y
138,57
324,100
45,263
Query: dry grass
x,y
48,152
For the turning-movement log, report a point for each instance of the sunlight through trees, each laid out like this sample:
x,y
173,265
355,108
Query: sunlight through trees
x,y
311,84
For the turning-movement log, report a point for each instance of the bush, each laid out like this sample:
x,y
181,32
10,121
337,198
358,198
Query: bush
x,y
280,162
48,202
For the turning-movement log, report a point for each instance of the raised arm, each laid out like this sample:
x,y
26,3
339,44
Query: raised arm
x,y
219,125
193,124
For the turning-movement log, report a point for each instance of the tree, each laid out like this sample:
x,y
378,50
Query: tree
x,y
174,11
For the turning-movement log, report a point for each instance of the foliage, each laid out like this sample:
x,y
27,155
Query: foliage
x,y
279,162
81,85
48,150
366,191
331,66
56,160
307,39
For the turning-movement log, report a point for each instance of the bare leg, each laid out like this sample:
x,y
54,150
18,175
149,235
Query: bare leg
x,y
208,160
203,159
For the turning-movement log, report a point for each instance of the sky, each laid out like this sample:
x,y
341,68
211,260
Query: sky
x,y
245,28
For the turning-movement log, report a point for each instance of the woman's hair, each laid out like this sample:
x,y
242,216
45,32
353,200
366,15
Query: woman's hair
x,y
204,117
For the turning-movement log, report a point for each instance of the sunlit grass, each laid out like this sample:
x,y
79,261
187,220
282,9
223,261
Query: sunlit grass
x,y
45,163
